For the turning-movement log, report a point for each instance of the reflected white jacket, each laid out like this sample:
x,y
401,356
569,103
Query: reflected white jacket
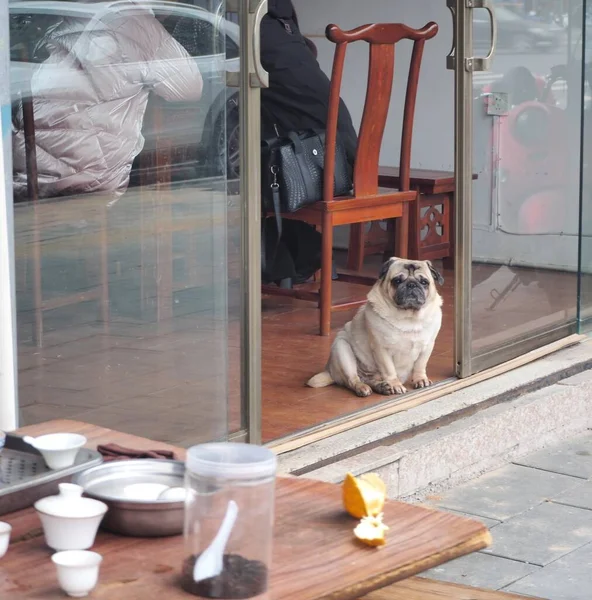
x,y
90,97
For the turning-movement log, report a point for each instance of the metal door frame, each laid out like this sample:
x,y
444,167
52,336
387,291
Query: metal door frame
x,y
251,78
463,167
584,312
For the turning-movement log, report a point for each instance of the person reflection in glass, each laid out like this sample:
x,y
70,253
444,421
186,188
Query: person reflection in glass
x,y
90,95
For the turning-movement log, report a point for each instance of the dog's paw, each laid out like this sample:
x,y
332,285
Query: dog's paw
x,y
421,381
389,388
362,390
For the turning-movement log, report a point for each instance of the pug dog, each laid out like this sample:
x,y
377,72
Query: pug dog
x,y
391,338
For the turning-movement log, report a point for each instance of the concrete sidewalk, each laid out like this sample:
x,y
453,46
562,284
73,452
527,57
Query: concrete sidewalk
x,y
539,510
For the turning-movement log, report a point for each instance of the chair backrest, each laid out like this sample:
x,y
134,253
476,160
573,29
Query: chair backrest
x,y
382,38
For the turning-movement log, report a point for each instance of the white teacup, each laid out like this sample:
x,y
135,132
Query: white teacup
x,y
78,571
70,522
5,529
59,450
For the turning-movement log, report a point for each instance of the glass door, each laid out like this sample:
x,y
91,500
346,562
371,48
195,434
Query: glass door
x,y
520,152
585,295
8,383
133,240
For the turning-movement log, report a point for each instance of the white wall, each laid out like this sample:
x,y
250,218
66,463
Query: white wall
x,y
433,141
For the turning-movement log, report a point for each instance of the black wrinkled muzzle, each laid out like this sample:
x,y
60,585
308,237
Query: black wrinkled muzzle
x,y
410,295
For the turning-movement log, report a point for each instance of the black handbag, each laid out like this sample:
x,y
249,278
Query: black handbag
x,y
292,171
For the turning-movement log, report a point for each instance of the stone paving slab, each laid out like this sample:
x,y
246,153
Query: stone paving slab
x,y
482,570
579,496
506,492
489,523
572,458
569,578
543,534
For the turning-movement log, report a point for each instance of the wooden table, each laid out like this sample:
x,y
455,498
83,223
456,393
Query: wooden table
x,y
315,554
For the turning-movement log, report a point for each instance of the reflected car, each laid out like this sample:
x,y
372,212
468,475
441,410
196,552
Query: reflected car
x,y
515,33
194,134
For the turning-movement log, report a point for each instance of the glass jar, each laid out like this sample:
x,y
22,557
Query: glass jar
x,y
230,493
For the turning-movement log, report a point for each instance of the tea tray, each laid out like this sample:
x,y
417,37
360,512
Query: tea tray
x,y
25,478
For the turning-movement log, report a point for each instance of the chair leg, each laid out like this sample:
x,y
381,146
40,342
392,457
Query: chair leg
x,y
449,220
402,233
355,251
326,274
37,280
389,249
105,308
414,228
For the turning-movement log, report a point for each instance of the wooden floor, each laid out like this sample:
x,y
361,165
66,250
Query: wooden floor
x,y
293,352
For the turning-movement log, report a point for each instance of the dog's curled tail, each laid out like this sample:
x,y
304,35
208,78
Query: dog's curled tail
x,y
320,380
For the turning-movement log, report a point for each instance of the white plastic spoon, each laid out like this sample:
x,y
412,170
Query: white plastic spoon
x,y
211,561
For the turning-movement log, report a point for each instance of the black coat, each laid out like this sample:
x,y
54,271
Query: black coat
x,y
298,93
297,99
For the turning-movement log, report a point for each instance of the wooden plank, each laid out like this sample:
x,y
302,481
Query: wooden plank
x,y
290,293
389,177
64,301
365,215
356,279
386,196
417,588
315,554
415,399
348,305
428,181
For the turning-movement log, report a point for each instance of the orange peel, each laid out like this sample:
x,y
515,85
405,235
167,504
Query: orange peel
x,y
363,496
371,531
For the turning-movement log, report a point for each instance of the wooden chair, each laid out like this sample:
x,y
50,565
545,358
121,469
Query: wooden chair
x,y
367,202
158,197
46,214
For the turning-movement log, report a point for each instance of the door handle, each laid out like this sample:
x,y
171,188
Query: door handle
x,y
260,78
451,58
478,63
475,63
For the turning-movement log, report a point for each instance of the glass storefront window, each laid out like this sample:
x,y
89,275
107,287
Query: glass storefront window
x,y
129,214
526,153
127,239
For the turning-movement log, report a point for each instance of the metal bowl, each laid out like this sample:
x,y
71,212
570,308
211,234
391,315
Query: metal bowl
x,y
138,518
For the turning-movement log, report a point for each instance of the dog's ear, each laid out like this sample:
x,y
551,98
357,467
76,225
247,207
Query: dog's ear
x,y
435,273
385,268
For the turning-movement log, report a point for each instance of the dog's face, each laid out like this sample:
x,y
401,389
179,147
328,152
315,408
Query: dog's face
x,y
409,284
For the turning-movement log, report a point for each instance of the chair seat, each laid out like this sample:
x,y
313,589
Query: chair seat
x,y
387,204
383,196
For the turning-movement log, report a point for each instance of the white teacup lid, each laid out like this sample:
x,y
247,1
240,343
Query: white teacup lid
x,y
69,503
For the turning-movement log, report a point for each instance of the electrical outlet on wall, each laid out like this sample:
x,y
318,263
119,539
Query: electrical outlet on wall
x,y
498,104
